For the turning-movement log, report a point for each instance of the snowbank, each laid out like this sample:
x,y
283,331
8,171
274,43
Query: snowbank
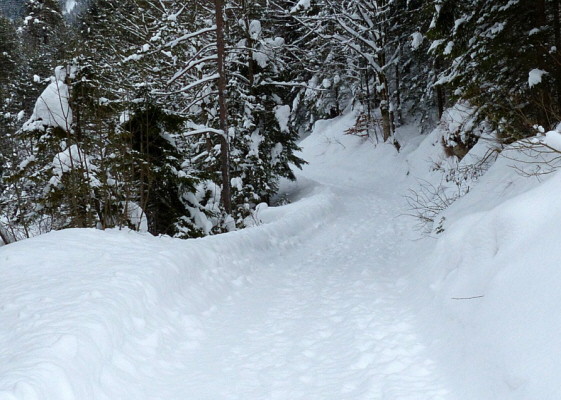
x,y
496,284
488,290
83,310
493,275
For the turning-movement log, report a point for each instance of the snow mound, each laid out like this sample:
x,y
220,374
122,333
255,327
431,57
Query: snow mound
x,y
52,108
497,288
84,312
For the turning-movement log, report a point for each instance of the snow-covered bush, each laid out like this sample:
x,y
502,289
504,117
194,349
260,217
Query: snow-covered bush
x,y
463,150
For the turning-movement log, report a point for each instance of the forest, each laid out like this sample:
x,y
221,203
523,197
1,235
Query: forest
x,y
181,117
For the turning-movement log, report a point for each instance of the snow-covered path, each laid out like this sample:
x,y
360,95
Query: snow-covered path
x,y
325,319
325,314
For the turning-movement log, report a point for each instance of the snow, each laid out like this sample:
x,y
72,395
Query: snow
x,y
282,114
190,35
255,29
136,216
506,340
302,4
416,40
276,151
256,140
72,158
52,108
535,76
68,159
237,183
553,140
449,48
267,49
331,296
69,6
435,44
125,117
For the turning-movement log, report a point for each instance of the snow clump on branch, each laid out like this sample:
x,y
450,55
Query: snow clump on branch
x,y
52,108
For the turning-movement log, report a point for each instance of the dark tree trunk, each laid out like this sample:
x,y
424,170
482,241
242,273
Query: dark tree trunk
x,y
250,62
224,146
440,99
543,96
398,93
440,94
557,34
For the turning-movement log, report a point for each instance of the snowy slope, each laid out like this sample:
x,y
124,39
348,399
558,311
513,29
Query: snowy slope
x,y
495,279
329,297
86,314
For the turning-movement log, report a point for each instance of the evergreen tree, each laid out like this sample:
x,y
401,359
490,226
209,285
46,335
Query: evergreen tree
x,y
263,142
484,67
44,33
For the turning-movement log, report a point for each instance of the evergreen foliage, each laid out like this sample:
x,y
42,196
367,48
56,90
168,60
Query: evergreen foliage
x,y
149,144
490,49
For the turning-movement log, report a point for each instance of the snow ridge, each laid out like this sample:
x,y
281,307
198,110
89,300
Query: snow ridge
x,y
111,310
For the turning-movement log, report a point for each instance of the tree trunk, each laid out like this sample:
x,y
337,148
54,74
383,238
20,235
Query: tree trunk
x,y
368,102
398,93
384,98
385,107
440,94
224,145
543,99
250,62
557,33
557,27
386,123
440,99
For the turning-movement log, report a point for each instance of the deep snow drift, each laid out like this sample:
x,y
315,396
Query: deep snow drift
x,y
332,296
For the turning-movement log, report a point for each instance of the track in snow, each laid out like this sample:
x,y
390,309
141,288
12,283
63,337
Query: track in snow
x,y
325,318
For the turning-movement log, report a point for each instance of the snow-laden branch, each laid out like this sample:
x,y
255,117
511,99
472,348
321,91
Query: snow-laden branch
x,y
190,66
291,84
204,130
353,46
358,36
188,36
190,86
